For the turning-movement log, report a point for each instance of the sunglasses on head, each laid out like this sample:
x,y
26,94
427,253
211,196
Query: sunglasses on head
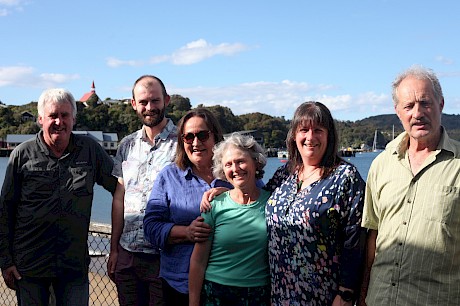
x,y
201,135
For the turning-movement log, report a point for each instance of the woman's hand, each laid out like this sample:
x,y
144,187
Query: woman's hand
x,y
208,196
198,231
338,301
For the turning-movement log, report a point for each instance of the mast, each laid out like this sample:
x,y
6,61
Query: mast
x,y
374,145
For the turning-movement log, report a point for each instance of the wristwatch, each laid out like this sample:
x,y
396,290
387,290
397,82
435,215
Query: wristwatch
x,y
347,295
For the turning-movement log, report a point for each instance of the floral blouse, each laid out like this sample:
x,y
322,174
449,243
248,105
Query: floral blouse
x,y
315,239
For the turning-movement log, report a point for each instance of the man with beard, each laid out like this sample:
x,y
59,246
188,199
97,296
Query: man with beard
x,y
133,262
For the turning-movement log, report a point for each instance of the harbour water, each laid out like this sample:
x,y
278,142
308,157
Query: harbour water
x,y
103,199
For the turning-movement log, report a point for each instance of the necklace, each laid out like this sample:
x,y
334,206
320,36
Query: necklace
x,y
300,182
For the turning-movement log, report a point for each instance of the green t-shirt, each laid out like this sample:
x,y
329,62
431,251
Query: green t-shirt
x,y
239,255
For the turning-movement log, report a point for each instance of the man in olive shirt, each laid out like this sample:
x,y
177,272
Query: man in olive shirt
x,y
45,207
412,204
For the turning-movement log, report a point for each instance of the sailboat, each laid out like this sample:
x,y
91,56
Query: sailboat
x,y
374,144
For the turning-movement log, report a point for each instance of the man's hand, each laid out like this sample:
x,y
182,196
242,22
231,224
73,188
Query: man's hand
x,y
198,231
111,264
11,275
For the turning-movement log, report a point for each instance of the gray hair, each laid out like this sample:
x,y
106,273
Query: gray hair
x,y
244,143
56,95
420,73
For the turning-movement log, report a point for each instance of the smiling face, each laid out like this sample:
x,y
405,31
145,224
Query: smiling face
x,y
57,123
149,102
311,142
239,168
418,109
198,152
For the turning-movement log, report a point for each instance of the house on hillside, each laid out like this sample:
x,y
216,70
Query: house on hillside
x,y
26,116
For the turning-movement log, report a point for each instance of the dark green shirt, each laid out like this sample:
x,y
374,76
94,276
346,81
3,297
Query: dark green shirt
x,y
45,206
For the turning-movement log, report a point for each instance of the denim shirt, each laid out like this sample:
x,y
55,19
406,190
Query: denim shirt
x,y
175,200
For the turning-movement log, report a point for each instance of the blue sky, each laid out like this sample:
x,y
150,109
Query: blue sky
x,y
251,56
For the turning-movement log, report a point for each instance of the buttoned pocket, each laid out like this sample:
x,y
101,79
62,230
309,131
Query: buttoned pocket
x,y
441,203
82,180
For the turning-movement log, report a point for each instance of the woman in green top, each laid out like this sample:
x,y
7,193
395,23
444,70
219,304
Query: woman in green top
x,y
231,267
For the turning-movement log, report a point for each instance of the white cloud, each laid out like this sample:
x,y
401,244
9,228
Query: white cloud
x,y
10,2
192,53
15,75
6,6
58,78
26,76
199,50
444,60
282,98
452,74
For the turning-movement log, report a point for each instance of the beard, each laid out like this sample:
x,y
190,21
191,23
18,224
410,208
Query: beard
x,y
155,117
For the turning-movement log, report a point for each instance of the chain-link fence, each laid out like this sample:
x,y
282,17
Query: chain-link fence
x,y
101,289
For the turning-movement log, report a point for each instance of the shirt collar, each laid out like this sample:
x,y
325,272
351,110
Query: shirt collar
x,y
44,147
399,145
188,174
169,129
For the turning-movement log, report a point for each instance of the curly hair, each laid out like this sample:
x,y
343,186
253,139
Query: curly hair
x,y
243,143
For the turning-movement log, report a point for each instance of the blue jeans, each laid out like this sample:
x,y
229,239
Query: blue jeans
x,y
35,291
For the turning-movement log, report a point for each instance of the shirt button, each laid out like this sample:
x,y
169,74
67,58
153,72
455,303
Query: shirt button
x,y
404,223
400,243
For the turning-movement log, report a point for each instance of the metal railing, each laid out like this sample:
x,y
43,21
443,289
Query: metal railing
x,y
102,291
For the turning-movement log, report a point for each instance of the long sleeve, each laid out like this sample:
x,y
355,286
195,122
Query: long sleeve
x,y
8,199
351,259
157,215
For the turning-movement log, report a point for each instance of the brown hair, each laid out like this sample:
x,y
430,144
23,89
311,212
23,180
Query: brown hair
x,y
309,114
148,76
182,160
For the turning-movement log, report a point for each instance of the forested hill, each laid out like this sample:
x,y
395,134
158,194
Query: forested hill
x,y
362,131
121,118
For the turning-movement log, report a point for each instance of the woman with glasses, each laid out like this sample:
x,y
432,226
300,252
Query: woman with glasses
x,y
172,219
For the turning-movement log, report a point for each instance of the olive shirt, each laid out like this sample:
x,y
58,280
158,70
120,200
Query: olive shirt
x,y
417,258
45,206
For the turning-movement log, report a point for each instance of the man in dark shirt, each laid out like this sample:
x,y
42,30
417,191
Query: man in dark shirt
x,y
45,206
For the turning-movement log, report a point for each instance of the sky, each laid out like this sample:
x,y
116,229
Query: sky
x,y
251,56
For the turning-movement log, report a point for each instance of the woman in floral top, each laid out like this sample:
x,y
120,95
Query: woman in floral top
x,y
316,242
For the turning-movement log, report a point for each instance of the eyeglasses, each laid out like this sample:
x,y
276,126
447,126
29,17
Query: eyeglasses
x,y
201,135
